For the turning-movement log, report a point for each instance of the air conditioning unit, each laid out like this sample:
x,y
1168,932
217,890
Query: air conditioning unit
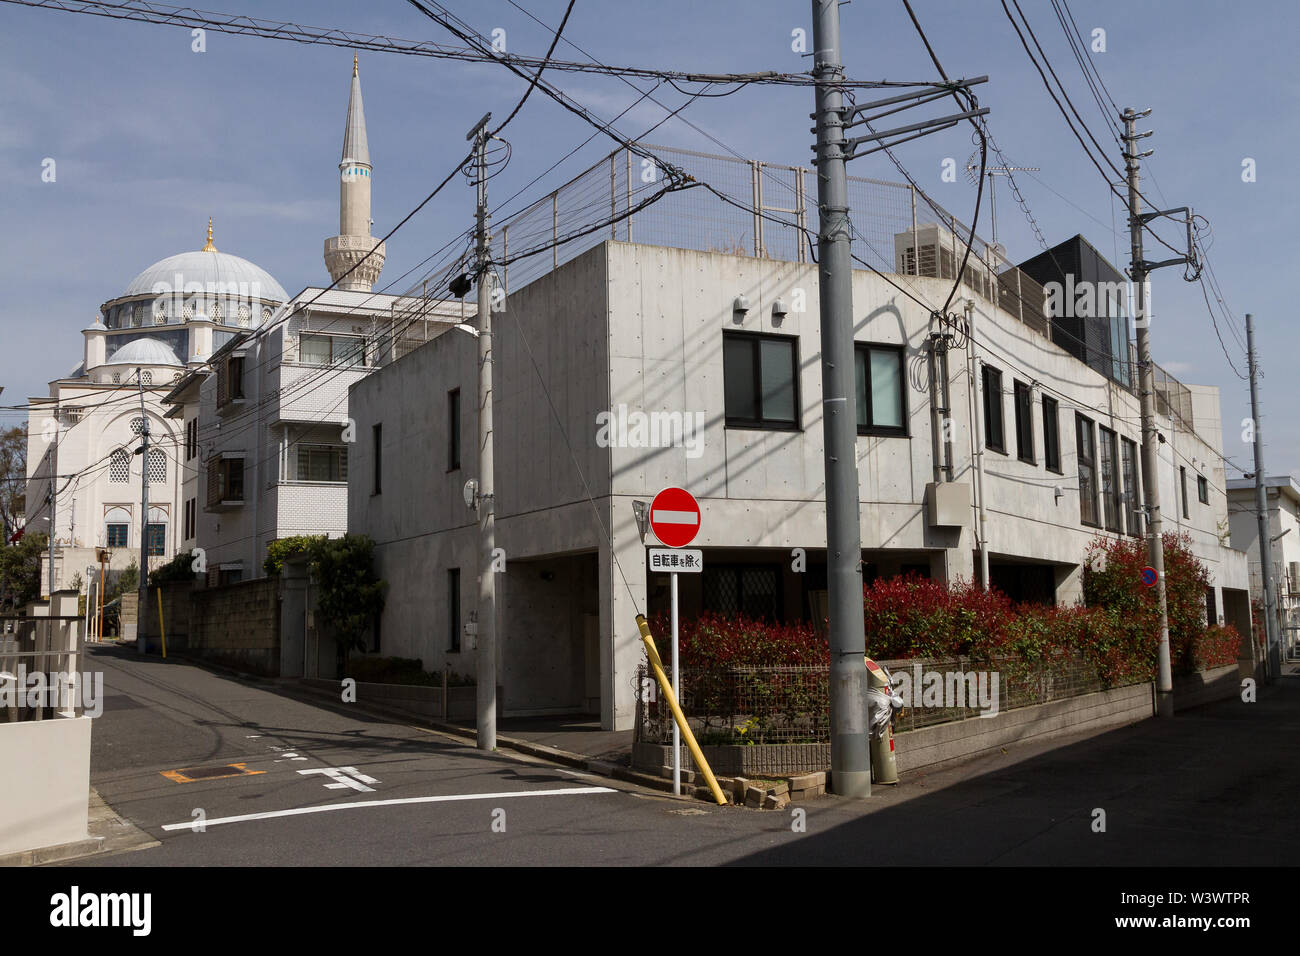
x,y
1293,576
932,250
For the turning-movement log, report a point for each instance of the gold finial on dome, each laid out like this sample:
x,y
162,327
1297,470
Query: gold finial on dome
x,y
209,247
354,64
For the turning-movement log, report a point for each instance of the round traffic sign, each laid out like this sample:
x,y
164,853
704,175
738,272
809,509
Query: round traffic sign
x,y
675,517
1149,577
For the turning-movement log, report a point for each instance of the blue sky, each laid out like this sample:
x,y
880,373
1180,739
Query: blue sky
x,y
151,138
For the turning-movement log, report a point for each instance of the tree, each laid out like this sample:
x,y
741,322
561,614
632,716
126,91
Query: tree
x,y
20,570
349,593
13,478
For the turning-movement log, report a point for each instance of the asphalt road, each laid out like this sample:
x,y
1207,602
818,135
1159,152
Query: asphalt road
x,y
1216,786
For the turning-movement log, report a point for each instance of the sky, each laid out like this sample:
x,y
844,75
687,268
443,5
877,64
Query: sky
x,y
150,137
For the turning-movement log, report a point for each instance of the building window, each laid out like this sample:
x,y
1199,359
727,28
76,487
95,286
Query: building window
x,y
157,466
1024,401
137,426
1202,490
453,429
753,590
322,463
1087,471
994,437
119,466
1109,464
760,380
1182,478
331,350
1051,435
453,610
117,535
225,480
377,445
191,439
235,377
187,519
156,538
1128,463
879,383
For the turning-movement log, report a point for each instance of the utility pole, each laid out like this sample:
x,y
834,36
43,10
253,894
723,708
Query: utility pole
x,y
1146,395
54,501
1261,508
142,601
850,756
486,656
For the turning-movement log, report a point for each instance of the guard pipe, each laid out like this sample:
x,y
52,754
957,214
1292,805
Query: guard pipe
x,y
666,686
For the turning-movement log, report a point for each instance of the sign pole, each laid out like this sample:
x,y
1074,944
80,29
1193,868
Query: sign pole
x,y
677,692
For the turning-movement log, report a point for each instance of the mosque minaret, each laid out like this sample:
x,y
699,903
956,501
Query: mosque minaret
x,y
354,241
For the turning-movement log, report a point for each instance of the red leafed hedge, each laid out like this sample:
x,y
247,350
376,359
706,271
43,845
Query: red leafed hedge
x,y
1117,630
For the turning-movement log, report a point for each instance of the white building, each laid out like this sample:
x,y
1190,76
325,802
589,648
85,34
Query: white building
x,y
707,367
266,416
169,319
1282,497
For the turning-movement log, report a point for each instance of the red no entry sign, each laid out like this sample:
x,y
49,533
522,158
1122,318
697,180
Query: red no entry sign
x,y
675,517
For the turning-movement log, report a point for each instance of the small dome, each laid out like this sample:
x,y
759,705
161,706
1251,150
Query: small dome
x,y
145,351
217,273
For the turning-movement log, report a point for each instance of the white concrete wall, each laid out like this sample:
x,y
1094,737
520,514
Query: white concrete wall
x,y
45,797
643,327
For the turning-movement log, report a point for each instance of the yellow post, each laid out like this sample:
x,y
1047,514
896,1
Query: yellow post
x,y
161,630
666,686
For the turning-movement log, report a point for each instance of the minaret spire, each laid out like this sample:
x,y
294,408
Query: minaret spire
x,y
209,247
354,241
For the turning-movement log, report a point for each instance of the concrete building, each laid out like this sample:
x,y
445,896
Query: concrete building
x,y
265,419
1282,496
631,368
169,319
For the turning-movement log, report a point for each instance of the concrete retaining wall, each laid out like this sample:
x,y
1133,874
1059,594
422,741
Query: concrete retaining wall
x,y
45,796
237,625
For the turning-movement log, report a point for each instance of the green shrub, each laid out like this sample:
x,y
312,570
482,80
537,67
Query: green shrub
x,y
282,548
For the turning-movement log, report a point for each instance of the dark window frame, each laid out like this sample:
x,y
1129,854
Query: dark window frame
x,y
377,458
992,397
1132,490
1052,435
763,422
453,430
865,349
1111,504
1023,403
110,537
1202,489
1083,426
1182,478
453,610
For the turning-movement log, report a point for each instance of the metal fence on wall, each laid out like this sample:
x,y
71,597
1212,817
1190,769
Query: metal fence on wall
x,y
759,209
52,647
790,705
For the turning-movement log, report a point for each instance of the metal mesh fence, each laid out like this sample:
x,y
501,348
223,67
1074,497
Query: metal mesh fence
x,y
791,705
754,209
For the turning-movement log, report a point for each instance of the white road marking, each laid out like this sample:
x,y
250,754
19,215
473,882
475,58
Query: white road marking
x,y
344,777
298,811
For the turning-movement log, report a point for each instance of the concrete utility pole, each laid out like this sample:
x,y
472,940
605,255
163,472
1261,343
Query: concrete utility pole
x,y
486,657
1138,271
54,501
142,600
850,754
1261,507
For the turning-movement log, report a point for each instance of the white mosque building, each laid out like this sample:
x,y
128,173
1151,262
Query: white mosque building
x,y
168,320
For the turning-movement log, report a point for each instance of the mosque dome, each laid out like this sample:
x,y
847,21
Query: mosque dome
x,y
146,351
214,273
